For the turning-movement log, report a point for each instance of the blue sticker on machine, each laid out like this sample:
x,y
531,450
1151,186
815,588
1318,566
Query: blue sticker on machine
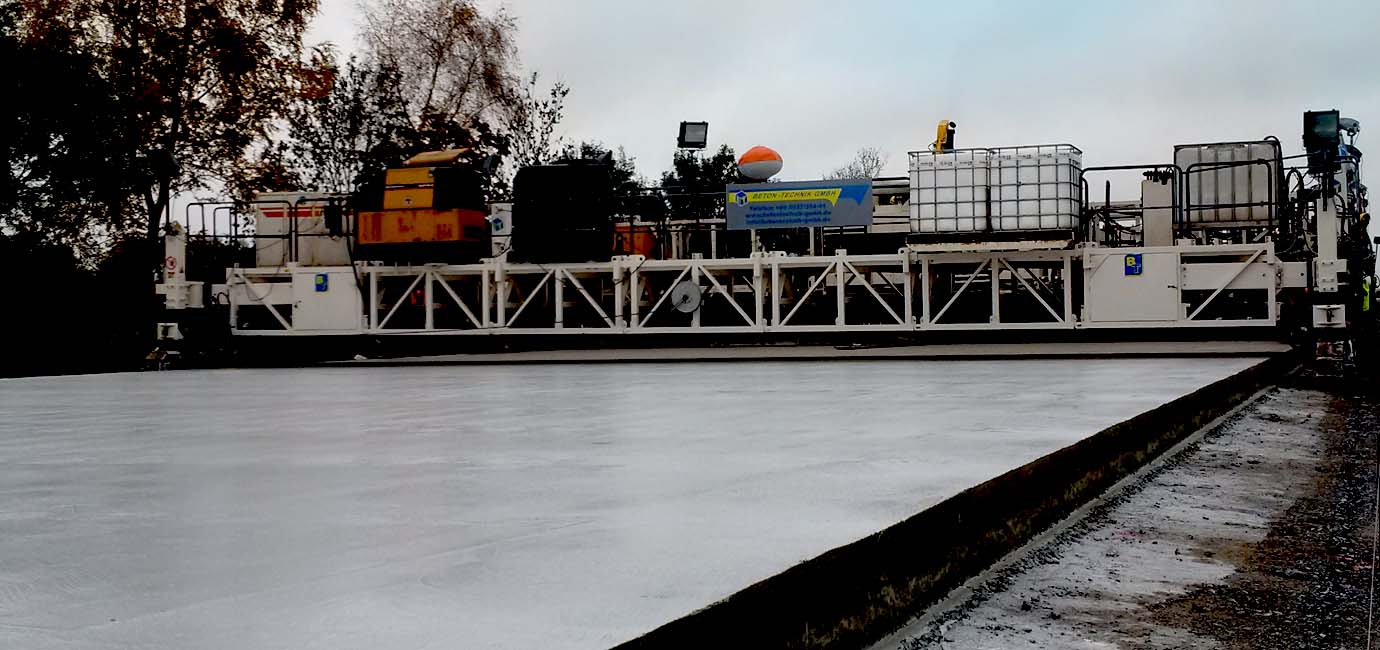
x,y
1133,262
322,282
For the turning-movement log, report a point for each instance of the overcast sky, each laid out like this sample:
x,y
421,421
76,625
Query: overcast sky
x,y
1124,81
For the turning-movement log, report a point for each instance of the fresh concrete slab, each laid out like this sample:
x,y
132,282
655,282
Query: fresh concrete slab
x,y
572,506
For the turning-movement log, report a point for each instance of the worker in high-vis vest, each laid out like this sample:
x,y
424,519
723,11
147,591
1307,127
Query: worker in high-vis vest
x,y
1365,293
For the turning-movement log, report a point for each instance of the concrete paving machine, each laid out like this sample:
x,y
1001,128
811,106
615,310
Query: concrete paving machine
x,y
1014,240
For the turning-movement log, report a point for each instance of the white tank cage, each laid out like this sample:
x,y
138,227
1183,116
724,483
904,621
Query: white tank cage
x,y
1033,187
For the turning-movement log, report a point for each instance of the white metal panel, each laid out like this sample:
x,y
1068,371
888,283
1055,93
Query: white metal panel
x,y
259,293
337,306
273,223
500,227
1212,275
1158,199
1329,316
1293,274
1114,296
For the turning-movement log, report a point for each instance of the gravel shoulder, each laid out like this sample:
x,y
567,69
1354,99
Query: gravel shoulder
x,y
1258,535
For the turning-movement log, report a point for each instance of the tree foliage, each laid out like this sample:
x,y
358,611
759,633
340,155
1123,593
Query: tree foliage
x,y
67,175
347,124
694,186
160,98
626,180
195,84
116,107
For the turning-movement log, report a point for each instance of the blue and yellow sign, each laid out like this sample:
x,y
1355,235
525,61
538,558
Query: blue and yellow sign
x,y
322,282
799,204
1133,264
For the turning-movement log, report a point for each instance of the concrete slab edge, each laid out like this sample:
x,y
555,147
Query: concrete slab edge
x,y
954,602
858,594
749,354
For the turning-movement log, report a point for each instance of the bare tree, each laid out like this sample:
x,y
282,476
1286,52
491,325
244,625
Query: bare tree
x,y
531,125
867,163
456,62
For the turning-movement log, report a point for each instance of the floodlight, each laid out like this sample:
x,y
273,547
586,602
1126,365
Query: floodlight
x,y
693,135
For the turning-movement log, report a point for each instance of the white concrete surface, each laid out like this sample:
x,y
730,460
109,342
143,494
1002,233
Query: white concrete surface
x,y
559,506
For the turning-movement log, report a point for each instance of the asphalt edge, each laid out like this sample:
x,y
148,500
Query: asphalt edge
x,y
862,592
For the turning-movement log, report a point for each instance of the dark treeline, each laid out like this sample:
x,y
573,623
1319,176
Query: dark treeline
x,y
116,109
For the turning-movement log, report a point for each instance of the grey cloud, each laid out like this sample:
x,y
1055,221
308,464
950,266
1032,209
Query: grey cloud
x,y
817,80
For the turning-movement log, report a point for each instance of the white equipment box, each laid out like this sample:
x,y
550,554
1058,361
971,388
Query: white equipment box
x,y
326,300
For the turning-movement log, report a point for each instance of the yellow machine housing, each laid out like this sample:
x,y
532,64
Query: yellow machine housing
x,y
427,201
944,136
408,198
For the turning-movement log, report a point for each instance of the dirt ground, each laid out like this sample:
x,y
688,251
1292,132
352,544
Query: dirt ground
x,y
1308,583
1259,535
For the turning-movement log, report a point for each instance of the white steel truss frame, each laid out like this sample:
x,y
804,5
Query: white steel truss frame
x,y
764,293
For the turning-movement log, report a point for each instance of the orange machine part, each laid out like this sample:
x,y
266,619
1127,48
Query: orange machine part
x,y
633,240
413,226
